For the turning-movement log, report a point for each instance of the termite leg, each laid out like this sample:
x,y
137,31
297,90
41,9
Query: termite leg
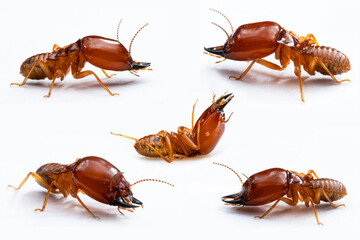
x,y
34,175
331,75
286,200
270,65
244,73
87,209
107,75
312,37
55,47
89,72
298,74
56,75
47,197
43,67
313,207
192,115
225,121
311,172
328,199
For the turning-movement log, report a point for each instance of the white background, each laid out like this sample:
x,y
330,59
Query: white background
x,y
270,127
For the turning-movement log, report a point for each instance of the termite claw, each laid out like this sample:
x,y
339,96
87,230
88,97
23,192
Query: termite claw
x,y
141,65
215,50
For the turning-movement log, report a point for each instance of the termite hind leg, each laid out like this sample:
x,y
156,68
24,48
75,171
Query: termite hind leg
x,y
55,47
87,209
107,75
89,72
331,75
34,175
329,200
192,115
244,73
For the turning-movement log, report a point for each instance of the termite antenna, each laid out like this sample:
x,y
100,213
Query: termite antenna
x,y
224,31
151,180
117,32
118,134
229,169
135,36
232,29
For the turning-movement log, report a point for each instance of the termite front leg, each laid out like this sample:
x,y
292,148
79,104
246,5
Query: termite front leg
x,y
291,202
84,206
107,75
298,74
89,72
244,73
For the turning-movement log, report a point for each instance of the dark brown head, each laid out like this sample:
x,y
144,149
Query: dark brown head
x,y
103,182
210,126
264,187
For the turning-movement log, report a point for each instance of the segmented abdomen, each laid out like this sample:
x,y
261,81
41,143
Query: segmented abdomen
x,y
333,188
156,141
37,73
334,60
46,170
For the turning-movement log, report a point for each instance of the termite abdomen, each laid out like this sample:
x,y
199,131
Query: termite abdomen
x,y
334,60
334,189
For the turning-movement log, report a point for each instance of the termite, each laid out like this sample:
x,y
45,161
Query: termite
x,y
93,176
273,184
200,139
104,53
254,41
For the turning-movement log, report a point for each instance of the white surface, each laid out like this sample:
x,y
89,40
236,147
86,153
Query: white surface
x,y
270,127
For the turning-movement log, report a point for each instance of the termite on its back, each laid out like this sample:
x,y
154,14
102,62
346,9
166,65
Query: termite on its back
x,y
200,139
254,41
104,53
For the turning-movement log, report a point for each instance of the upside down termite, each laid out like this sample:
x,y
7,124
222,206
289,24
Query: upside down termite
x,y
200,139
254,41
93,176
272,184
101,52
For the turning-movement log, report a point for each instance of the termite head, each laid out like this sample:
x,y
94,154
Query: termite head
x,y
263,187
110,54
121,193
253,41
211,124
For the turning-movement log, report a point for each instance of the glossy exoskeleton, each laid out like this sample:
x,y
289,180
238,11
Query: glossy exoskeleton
x,y
104,53
200,139
276,184
93,176
255,41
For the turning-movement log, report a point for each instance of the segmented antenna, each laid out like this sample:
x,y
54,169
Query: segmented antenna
x,y
152,180
232,29
135,36
117,32
223,30
230,169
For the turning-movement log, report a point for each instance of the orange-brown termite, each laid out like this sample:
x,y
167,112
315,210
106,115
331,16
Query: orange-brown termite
x,y
273,184
200,139
104,53
93,176
254,41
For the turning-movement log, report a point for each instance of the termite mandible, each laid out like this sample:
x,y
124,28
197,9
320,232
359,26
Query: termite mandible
x,y
93,176
273,184
200,139
254,41
104,53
